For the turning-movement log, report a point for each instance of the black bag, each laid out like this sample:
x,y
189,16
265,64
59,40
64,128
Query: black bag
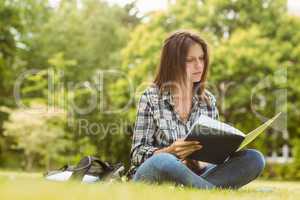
x,y
89,169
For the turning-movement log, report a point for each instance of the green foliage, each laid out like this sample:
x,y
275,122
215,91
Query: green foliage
x,y
94,51
38,132
59,49
255,59
10,25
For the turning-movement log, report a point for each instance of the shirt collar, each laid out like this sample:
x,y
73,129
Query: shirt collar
x,y
168,97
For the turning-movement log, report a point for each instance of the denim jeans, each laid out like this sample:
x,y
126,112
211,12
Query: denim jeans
x,y
238,170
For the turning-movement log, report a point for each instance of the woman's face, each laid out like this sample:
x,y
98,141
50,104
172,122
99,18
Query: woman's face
x,y
195,63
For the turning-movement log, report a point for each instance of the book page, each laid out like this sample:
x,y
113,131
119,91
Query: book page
x,y
217,125
253,134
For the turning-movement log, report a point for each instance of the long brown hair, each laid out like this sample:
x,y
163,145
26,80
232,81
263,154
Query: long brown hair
x,y
172,64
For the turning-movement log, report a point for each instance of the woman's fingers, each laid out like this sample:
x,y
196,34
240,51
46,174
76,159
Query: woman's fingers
x,y
179,149
186,143
184,153
184,161
181,145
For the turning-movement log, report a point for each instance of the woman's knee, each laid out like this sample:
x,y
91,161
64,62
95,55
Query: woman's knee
x,y
163,162
162,159
255,160
159,161
158,165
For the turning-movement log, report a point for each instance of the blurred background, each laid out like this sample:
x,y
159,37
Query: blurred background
x,y
72,71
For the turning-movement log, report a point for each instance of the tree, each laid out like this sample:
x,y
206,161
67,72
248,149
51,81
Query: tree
x,y
253,53
39,133
79,41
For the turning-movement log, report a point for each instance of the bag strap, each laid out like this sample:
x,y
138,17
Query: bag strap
x,y
80,171
90,160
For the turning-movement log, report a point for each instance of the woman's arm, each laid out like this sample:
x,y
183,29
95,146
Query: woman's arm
x,y
180,148
143,135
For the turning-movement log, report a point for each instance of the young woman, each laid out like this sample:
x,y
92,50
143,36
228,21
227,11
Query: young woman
x,y
166,111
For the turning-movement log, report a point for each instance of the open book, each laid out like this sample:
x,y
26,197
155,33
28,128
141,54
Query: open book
x,y
219,140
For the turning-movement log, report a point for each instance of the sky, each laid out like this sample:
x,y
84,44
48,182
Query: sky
x,y
145,6
294,6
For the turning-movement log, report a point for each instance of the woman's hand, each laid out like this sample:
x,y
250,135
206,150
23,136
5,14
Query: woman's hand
x,y
194,165
181,148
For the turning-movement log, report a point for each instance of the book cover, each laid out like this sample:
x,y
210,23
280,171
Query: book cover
x,y
220,140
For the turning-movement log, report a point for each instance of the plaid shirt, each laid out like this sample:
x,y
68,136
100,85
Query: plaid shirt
x,y
158,125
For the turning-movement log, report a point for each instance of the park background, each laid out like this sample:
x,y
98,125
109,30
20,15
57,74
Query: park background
x,y
72,72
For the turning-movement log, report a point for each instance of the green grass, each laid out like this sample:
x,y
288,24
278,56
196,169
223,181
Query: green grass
x,y
16,185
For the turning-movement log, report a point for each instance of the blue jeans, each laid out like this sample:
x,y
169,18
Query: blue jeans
x,y
241,168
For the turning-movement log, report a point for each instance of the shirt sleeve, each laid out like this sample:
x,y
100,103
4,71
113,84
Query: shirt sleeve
x,y
143,135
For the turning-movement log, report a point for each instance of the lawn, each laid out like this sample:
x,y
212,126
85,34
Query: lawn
x,y
16,185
